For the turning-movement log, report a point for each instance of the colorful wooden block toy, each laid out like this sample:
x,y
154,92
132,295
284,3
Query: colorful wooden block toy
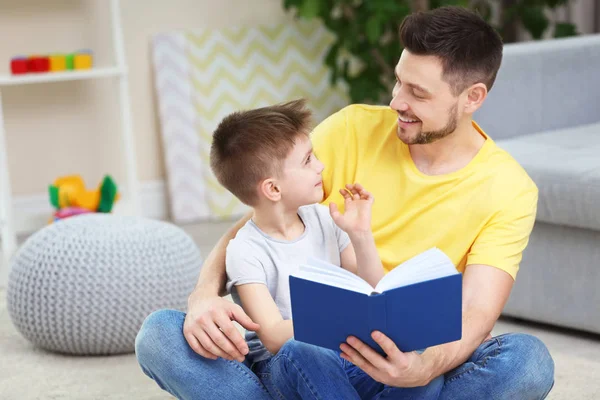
x,y
79,60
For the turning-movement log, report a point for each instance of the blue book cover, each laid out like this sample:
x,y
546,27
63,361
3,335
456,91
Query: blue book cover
x,y
417,305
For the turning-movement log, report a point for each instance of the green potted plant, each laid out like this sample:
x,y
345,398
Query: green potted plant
x,y
367,46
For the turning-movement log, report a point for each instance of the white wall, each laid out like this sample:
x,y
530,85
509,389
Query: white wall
x,y
72,127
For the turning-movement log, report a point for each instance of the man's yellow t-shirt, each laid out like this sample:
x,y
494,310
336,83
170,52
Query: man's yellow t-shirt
x,y
480,214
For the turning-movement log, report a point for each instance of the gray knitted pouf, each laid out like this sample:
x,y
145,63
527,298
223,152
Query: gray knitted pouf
x,y
84,285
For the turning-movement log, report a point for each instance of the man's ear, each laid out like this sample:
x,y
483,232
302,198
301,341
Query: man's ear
x,y
269,188
476,94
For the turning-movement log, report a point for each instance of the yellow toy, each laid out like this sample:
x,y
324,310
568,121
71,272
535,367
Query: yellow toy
x,y
70,192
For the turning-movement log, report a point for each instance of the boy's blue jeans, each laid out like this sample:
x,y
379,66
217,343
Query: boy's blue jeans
x,y
511,366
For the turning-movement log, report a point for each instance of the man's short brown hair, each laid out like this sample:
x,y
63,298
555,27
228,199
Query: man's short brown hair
x,y
250,146
469,48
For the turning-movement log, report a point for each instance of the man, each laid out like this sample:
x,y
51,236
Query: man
x,y
439,180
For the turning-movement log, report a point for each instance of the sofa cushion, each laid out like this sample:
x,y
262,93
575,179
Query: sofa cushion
x,y
565,165
544,85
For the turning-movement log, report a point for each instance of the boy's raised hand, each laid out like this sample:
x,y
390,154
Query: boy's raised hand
x,y
357,216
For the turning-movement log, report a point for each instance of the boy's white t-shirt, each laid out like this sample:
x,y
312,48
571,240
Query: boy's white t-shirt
x,y
254,257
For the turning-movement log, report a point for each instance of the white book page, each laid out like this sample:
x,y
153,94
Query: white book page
x,y
332,275
431,264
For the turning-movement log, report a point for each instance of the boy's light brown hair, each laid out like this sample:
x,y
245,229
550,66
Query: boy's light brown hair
x,y
250,146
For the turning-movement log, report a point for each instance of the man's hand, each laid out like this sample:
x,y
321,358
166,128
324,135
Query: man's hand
x,y
357,216
210,332
398,369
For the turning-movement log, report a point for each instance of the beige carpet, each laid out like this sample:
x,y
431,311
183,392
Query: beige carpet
x,y
27,373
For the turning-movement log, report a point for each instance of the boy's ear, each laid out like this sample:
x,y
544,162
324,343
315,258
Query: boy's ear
x,y
270,189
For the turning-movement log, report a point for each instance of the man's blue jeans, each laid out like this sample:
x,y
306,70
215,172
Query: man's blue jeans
x,y
511,366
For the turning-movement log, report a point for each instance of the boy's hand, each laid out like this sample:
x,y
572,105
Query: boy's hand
x,y
357,216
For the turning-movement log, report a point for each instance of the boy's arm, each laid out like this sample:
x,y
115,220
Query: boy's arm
x,y
259,305
360,256
362,252
348,259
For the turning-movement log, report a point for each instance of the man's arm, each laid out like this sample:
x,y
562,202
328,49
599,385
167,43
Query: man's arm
x,y
485,292
212,279
208,326
492,264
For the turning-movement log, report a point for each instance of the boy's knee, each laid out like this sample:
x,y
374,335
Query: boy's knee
x,y
294,349
303,353
291,347
159,335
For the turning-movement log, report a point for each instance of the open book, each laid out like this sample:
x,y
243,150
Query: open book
x,y
418,304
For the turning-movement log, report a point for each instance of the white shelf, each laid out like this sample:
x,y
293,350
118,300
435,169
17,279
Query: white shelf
x,y
106,72
8,237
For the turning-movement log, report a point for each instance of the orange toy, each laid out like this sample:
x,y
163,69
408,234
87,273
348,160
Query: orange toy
x,y
70,191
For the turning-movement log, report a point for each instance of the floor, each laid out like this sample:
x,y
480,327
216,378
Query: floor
x,y
28,373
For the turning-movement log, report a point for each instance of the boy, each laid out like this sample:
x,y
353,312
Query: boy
x,y
264,157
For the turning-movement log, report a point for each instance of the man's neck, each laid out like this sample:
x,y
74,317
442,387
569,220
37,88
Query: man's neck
x,y
449,154
277,222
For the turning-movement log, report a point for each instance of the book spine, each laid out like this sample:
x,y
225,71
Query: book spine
x,y
377,313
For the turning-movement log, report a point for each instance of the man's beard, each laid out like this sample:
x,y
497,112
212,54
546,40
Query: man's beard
x,y
432,136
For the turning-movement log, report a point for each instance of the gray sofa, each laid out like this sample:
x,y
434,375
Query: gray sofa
x,y
545,111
